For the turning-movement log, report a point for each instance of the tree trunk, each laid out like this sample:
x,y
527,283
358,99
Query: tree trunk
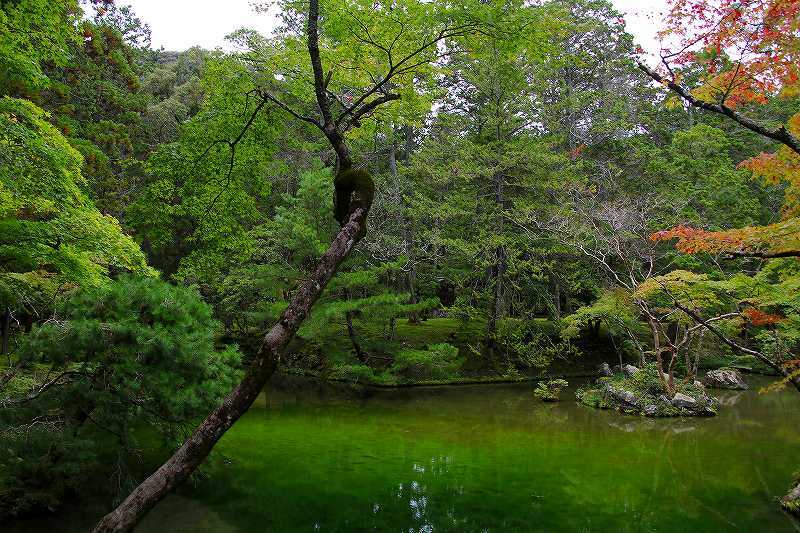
x,y
556,286
657,351
413,317
497,271
351,332
189,456
5,327
409,144
393,157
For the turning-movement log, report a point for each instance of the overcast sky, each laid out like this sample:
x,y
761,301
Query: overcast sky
x,y
180,24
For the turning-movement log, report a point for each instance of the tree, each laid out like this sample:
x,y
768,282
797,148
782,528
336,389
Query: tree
x,y
395,47
34,32
130,352
52,237
746,53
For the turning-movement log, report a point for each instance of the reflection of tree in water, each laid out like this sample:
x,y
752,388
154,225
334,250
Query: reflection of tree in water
x,y
673,426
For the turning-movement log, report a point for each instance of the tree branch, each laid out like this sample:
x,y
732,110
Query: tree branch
x,y
781,135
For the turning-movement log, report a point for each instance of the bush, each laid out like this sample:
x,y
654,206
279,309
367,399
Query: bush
x,y
549,391
439,361
356,373
137,350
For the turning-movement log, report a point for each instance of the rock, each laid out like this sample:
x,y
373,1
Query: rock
x,y
604,370
699,385
650,410
791,502
663,399
725,378
684,401
628,370
622,396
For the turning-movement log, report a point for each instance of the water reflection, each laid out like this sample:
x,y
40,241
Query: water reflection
x,y
489,459
495,459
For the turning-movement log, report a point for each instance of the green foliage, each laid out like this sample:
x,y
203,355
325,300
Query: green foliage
x,y
438,361
51,235
354,373
34,32
533,344
133,353
549,391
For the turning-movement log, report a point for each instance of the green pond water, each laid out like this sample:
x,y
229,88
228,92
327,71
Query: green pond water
x,y
489,458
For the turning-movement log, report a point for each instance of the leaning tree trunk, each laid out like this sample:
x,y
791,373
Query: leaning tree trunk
x,y
197,447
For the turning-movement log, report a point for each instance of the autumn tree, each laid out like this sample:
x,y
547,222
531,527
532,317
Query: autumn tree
x,y
747,55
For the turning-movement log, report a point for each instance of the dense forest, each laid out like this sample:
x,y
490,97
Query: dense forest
x,y
382,194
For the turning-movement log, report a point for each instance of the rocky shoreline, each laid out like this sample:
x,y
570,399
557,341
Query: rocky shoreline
x,y
631,390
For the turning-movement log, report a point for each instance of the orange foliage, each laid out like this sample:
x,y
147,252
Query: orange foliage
x,y
782,238
749,48
757,317
749,51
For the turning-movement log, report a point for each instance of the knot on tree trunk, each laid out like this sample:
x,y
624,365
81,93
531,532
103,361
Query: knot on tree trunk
x,y
353,189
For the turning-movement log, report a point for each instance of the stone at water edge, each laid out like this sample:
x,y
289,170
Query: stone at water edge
x,y
725,378
622,396
791,502
650,410
605,371
684,401
628,370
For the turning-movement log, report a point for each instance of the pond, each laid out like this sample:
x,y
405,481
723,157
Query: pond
x,y
490,458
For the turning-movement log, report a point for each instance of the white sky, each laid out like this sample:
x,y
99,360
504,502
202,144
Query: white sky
x,y
180,24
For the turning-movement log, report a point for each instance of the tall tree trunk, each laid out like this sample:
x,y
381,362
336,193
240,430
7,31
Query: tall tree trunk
x,y
5,327
413,317
393,156
351,332
197,447
497,271
556,287
409,143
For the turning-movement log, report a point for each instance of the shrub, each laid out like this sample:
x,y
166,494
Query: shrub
x,y
549,391
439,361
356,373
137,350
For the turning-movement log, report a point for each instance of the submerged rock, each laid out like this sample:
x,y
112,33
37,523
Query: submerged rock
x,y
725,378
